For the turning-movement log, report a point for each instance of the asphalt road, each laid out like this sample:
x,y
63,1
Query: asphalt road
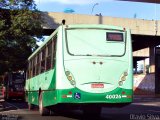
x,y
140,109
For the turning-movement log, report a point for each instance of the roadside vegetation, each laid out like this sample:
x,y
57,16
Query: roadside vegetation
x,y
20,24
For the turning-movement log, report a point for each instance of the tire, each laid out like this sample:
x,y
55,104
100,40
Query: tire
x,y
42,110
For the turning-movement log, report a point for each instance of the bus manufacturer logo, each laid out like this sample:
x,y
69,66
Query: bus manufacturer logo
x,y
97,85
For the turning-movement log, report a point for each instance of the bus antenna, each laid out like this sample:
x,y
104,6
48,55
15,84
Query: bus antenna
x,y
63,22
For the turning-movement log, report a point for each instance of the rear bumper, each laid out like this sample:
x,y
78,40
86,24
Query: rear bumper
x,y
117,96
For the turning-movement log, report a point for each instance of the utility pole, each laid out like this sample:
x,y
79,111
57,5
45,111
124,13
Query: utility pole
x,y
94,7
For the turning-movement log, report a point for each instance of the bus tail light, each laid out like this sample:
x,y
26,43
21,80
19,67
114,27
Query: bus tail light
x,y
129,96
120,83
67,73
70,78
123,78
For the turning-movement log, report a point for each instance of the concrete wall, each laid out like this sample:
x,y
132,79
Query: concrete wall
x,y
144,84
141,53
137,26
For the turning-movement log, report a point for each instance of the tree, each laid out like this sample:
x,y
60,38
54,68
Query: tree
x,y
20,23
17,4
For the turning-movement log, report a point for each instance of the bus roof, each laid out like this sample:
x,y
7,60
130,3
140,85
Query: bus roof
x,y
95,26
76,26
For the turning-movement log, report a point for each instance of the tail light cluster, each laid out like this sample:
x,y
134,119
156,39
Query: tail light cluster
x,y
70,78
123,78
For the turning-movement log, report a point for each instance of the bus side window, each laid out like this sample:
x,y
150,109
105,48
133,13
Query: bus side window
x,y
31,68
49,53
54,50
43,55
38,64
34,66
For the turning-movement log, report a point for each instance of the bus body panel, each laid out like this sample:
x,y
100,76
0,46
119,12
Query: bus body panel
x,y
94,79
61,83
87,74
46,86
118,95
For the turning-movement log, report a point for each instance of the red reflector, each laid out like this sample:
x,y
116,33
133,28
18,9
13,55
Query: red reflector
x,y
129,96
97,85
64,96
123,92
70,93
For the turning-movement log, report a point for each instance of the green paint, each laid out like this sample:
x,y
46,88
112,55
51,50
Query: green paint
x,y
62,96
55,97
49,98
35,84
94,98
33,97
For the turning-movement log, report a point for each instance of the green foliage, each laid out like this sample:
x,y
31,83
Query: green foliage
x,y
18,27
18,4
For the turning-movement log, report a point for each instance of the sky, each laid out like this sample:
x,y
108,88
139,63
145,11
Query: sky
x,y
147,11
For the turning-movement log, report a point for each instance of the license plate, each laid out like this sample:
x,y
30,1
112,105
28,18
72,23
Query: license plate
x,y
97,85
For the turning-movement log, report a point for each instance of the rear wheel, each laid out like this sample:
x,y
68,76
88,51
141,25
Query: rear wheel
x,y
42,110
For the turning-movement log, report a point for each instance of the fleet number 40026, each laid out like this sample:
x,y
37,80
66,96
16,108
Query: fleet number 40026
x,y
114,96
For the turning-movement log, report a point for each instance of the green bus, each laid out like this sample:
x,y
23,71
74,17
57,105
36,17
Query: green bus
x,y
81,66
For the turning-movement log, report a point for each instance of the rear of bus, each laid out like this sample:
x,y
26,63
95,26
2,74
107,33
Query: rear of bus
x,y
97,64
14,86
